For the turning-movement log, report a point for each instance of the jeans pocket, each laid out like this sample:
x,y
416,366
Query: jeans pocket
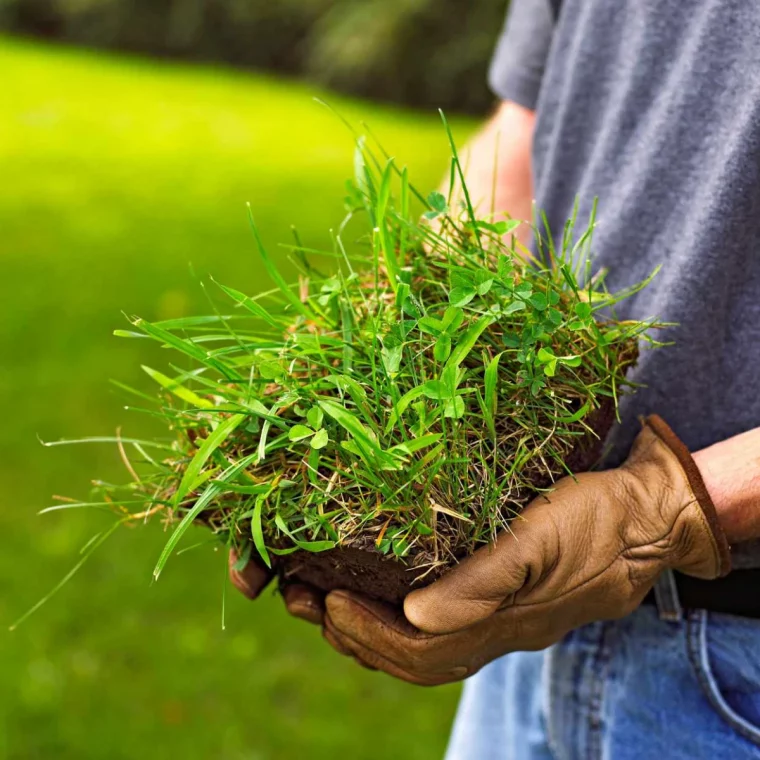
x,y
725,653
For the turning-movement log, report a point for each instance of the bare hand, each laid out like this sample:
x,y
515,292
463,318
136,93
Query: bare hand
x,y
301,601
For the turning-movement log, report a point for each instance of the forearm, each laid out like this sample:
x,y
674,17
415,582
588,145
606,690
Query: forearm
x,y
497,166
731,471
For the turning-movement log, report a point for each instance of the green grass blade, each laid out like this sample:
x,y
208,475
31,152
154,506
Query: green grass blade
x,y
259,410
262,447
346,317
187,347
352,425
105,506
257,532
309,546
107,439
579,415
274,272
490,380
212,491
250,304
133,391
403,404
387,242
206,449
179,390
466,344
415,444
94,544
404,203
460,171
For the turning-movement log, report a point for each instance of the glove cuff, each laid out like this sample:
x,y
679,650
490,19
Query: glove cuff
x,y
663,431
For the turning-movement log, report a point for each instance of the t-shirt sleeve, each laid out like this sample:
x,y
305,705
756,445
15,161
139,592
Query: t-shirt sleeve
x,y
517,67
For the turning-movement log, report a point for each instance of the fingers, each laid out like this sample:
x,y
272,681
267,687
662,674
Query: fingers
x,y
251,580
377,626
304,602
373,660
335,643
380,637
333,639
301,601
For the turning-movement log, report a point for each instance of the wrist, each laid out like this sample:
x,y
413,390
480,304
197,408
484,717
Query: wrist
x,y
733,482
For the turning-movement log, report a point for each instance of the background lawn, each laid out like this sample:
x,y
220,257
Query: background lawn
x,y
122,184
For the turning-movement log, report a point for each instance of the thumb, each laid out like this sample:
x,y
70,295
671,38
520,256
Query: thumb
x,y
470,592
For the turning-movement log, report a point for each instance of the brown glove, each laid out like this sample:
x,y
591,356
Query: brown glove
x,y
301,601
590,551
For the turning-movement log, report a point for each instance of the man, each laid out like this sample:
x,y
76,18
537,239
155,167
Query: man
x,y
654,107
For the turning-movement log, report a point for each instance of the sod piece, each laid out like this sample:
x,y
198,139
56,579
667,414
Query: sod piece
x,y
369,427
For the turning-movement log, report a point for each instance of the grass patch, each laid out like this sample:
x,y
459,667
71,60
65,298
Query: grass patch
x,y
409,404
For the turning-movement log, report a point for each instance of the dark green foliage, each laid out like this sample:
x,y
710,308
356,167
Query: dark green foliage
x,y
421,52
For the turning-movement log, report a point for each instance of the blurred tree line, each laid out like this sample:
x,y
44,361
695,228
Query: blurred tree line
x,y
421,52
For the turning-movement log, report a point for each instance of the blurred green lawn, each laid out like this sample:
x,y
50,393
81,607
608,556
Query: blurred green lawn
x,y
116,176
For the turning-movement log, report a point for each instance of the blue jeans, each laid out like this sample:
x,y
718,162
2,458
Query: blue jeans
x,y
632,689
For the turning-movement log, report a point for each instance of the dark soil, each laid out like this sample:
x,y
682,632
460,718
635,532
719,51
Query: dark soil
x,y
368,572
388,579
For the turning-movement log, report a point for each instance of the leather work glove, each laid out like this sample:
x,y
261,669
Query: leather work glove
x,y
590,550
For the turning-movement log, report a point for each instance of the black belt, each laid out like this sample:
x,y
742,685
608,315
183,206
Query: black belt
x,y
736,594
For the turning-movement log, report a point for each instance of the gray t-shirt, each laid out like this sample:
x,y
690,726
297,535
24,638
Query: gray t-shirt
x,y
654,107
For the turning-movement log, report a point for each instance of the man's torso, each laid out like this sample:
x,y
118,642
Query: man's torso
x,y
654,107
